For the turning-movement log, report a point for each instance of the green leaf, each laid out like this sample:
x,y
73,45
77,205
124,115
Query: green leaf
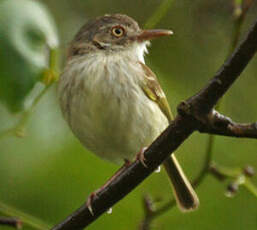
x,y
26,30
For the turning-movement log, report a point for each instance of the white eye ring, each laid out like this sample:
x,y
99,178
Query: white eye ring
x,y
118,31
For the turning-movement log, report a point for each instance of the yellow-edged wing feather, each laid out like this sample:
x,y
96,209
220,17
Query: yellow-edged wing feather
x,y
153,91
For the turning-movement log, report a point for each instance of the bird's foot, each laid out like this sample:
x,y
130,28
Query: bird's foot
x,y
89,202
93,195
141,156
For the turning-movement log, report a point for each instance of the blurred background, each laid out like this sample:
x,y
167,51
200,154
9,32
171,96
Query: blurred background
x,y
48,174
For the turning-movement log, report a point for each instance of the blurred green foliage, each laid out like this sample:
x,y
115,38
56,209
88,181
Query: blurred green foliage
x,y
49,174
26,28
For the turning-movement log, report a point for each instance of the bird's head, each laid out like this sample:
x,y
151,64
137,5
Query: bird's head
x,y
113,33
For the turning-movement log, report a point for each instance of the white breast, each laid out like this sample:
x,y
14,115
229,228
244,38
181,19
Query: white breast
x,y
107,110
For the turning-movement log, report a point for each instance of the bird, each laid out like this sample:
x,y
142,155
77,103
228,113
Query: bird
x,y
112,100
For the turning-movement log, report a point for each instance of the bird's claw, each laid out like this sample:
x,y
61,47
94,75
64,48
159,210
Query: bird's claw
x,y
141,156
89,202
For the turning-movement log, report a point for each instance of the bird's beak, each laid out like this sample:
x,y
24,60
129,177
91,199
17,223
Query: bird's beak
x,y
151,34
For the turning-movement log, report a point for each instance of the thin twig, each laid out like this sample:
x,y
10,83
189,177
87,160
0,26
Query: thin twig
x,y
11,222
239,176
23,217
185,123
240,12
149,211
158,14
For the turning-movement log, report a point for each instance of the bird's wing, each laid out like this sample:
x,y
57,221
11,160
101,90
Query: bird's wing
x,y
153,91
185,195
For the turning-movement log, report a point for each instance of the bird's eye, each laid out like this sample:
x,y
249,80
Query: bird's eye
x,y
118,31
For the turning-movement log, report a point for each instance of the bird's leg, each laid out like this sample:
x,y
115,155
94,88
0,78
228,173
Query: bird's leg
x,y
94,194
141,156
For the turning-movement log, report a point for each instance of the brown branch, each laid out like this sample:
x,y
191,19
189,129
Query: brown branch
x,y
11,222
222,125
185,123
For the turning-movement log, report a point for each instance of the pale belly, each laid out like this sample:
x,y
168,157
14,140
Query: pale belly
x,y
110,114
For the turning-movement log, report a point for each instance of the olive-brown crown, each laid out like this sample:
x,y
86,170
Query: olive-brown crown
x,y
109,32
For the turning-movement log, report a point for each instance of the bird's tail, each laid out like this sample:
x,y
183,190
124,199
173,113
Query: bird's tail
x,y
185,195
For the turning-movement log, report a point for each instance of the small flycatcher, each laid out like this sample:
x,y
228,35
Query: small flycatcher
x,y
112,101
